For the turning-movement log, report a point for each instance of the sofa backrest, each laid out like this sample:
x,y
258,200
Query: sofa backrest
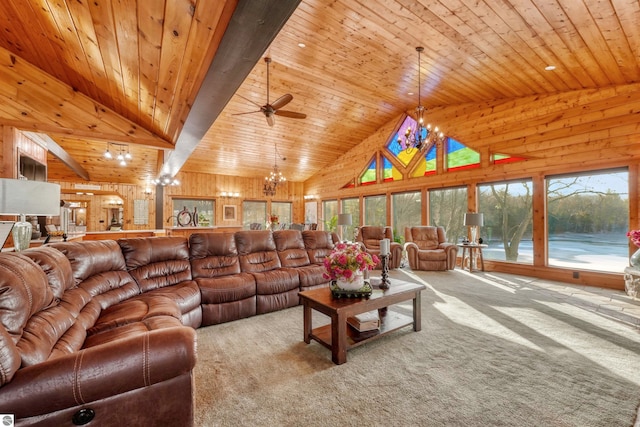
x,y
425,237
318,244
213,255
256,251
156,262
290,248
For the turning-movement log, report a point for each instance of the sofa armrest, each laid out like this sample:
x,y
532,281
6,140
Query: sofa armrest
x,y
412,254
99,372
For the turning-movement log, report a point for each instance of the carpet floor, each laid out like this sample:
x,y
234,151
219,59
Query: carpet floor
x,y
494,350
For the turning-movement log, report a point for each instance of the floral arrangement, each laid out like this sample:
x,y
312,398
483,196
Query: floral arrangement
x,y
634,236
346,259
273,219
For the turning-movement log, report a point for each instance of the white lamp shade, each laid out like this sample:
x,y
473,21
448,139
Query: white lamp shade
x,y
23,197
344,219
471,219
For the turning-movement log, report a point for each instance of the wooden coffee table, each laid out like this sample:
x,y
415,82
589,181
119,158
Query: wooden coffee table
x,y
338,336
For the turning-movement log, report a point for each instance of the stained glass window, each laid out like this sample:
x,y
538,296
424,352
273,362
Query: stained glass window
x,y
390,172
459,156
398,149
369,175
427,165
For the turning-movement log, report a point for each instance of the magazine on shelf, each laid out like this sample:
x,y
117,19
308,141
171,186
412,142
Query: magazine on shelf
x,y
368,321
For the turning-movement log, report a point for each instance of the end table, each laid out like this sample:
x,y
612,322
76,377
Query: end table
x,y
474,251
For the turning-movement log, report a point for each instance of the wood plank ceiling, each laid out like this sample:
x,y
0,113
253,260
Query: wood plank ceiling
x,y
139,64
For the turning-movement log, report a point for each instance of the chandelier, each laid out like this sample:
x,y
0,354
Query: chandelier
x,y
275,177
121,155
422,136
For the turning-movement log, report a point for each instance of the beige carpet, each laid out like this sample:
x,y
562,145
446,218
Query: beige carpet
x,y
494,350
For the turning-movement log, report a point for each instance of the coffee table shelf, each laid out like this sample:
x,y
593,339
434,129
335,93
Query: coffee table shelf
x,y
390,322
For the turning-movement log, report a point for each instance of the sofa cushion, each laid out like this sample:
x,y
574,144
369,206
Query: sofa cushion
x,y
24,291
257,251
290,248
425,237
91,257
318,244
56,266
213,255
156,262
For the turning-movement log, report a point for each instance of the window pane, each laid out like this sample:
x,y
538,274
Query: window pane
x,y
330,215
375,210
254,213
351,206
588,218
508,212
447,208
283,211
406,212
199,213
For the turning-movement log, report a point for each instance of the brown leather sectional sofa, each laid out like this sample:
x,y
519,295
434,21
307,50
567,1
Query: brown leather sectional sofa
x,y
102,332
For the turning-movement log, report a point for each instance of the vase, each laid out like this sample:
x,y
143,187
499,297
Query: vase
x,y
356,282
634,259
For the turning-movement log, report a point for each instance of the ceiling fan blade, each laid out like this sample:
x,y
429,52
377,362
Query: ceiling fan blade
x,y
270,119
247,99
248,112
282,101
291,114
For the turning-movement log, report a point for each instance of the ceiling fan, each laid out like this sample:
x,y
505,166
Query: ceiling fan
x,y
274,109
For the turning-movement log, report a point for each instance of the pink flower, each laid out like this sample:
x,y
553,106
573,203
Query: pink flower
x,y
634,236
346,259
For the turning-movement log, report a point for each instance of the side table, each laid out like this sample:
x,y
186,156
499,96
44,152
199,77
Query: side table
x,y
474,251
632,281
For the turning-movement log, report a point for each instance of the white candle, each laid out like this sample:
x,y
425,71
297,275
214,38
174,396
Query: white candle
x,y
384,247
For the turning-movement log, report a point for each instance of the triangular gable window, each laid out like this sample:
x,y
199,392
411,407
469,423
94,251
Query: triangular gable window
x,y
397,147
505,158
389,172
368,177
460,157
427,165
350,184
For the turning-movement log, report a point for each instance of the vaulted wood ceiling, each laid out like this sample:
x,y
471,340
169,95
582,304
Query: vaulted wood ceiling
x,y
90,72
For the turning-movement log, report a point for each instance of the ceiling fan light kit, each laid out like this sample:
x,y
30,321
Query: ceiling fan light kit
x,y
422,137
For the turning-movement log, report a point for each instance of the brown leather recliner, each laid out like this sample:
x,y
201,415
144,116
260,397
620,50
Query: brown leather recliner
x,y
369,236
427,248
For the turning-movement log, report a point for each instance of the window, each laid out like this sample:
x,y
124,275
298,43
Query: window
x,y
397,146
283,211
406,208
508,212
254,213
368,177
427,164
193,212
375,210
330,215
447,208
351,206
459,156
588,218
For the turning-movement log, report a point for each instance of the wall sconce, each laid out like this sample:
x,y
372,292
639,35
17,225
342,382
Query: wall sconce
x,y
309,196
229,194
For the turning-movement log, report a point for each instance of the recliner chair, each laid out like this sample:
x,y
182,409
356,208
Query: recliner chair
x,y
427,248
369,237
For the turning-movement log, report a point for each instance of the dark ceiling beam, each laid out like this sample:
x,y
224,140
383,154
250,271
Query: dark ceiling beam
x,y
56,150
253,26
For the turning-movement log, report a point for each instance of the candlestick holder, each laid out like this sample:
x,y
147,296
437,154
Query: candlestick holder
x,y
384,260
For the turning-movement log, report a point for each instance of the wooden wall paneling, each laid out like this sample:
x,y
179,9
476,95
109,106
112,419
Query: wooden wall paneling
x,y
539,225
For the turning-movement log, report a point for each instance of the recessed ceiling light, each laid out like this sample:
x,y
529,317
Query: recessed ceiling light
x,y
550,67
302,45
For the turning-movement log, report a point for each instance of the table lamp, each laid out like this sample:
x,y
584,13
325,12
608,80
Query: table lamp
x,y
473,221
22,197
343,220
